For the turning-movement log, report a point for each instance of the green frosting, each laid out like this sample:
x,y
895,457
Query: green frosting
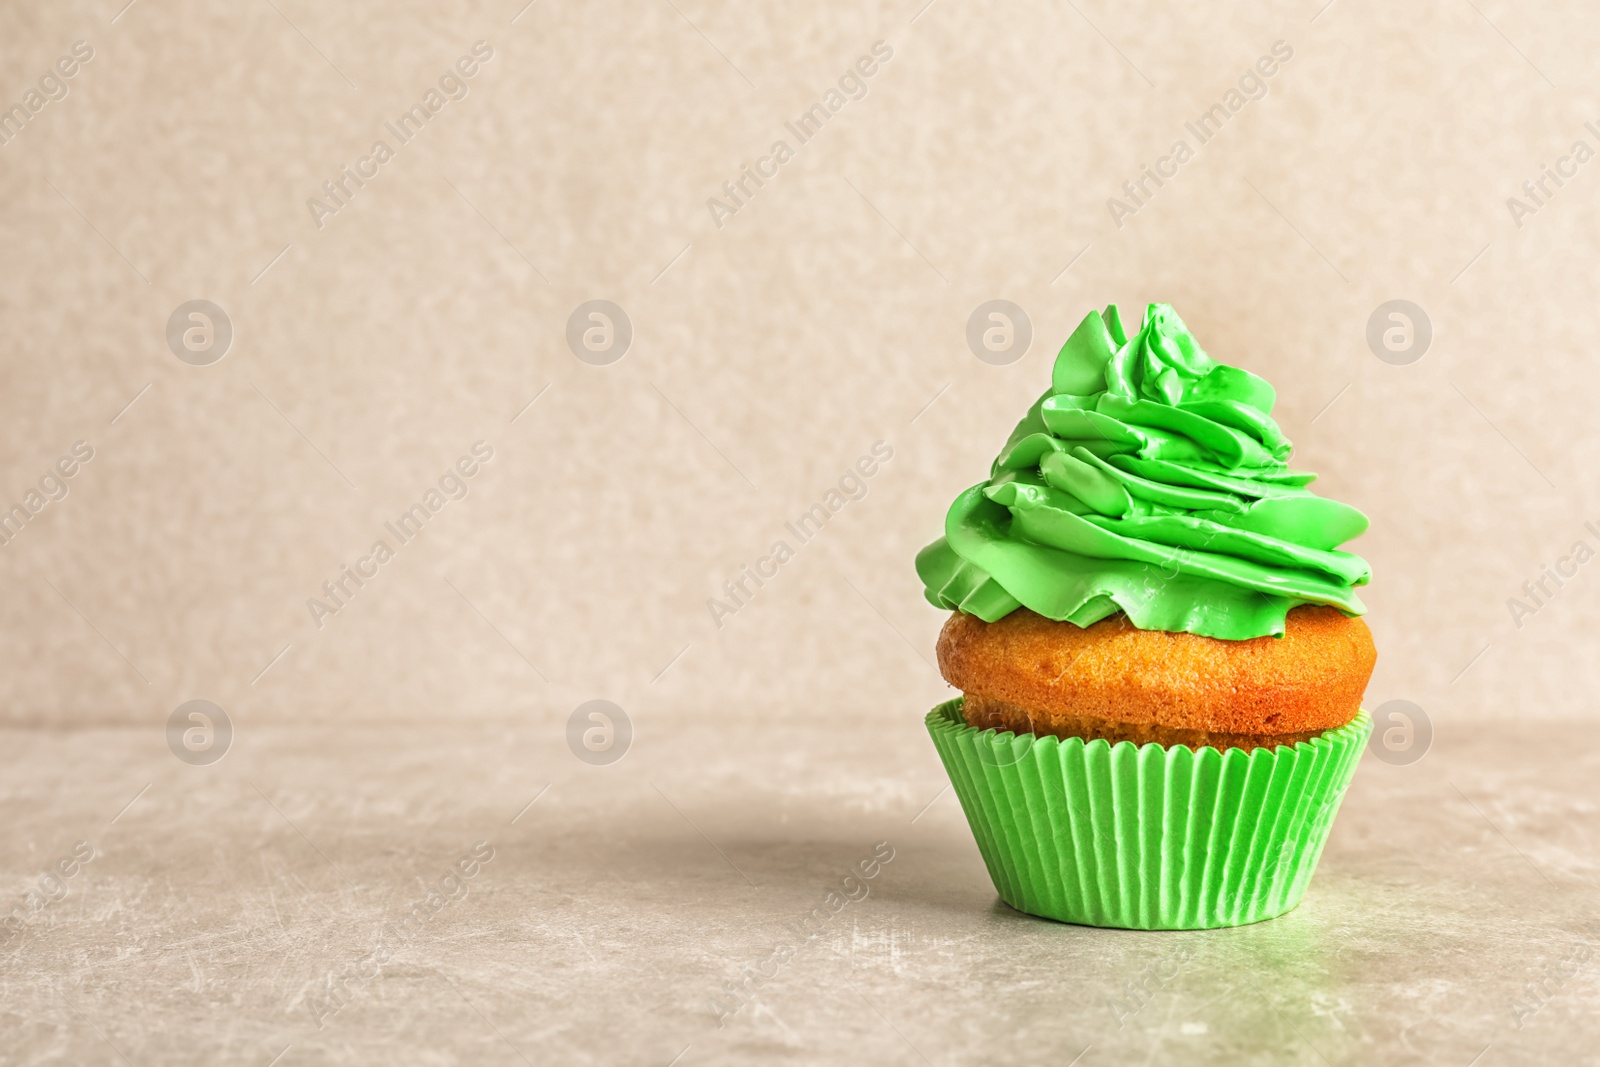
x,y
1150,479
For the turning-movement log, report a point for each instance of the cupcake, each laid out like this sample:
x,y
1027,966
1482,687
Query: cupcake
x,y
1157,641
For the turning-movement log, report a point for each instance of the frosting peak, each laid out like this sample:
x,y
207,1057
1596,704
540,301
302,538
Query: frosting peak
x,y
1149,479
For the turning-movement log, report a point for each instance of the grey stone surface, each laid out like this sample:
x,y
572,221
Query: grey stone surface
x,y
1453,911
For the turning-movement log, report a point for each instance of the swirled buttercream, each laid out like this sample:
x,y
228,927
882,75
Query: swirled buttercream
x,y
1149,479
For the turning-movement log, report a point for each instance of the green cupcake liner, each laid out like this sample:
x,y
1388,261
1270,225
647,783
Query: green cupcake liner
x,y
1147,837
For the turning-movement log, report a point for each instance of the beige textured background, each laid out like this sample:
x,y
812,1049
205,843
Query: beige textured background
x,y
768,355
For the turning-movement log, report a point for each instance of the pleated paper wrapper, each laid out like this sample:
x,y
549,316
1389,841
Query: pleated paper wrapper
x,y
1147,837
